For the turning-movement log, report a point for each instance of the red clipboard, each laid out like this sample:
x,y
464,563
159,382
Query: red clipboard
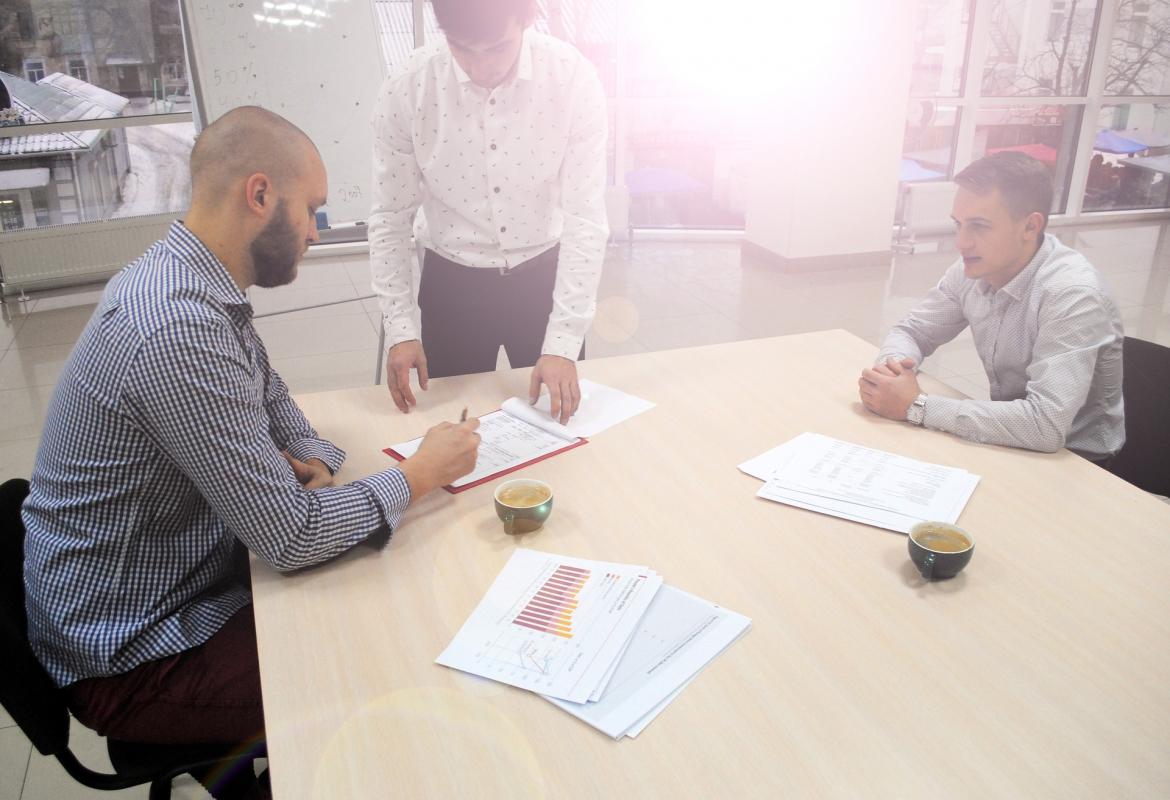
x,y
390,451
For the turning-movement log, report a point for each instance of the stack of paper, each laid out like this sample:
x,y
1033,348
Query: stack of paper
x,y
861,484
519,434
606,642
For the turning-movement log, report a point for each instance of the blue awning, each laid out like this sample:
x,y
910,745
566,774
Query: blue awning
x,y
911,170
1113,142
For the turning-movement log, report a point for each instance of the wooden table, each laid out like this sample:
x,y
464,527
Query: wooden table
x,y
1043,670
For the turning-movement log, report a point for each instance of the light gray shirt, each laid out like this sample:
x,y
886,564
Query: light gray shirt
x,y
1050,341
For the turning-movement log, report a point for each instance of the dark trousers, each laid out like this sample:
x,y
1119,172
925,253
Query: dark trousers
x,y
206,695
468,313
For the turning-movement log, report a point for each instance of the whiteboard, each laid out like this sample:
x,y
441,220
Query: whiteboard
x,y
315,62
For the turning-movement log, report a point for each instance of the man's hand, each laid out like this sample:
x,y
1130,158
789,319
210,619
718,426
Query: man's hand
x,y
560,376
889,389
894,368
447,453
399,361
312,474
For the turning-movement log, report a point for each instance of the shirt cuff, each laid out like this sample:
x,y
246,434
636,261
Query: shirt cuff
x,y
563,345
390,493
399,330
941,413
304,449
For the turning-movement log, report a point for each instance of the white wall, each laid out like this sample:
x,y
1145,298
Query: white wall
x,y
825,174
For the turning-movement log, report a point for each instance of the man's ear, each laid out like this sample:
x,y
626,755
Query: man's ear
x,y
1034,223
257,193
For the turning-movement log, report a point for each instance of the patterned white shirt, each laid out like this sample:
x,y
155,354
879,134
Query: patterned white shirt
x,y
497,176
1050,341
161,454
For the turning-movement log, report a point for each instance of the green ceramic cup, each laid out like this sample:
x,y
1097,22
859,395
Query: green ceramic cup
x,y
523,504
940,550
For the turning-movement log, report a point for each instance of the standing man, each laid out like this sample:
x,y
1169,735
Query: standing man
x,y
1044,325
495,134
171,449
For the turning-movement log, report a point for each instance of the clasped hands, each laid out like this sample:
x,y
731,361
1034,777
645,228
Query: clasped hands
x,y
889,389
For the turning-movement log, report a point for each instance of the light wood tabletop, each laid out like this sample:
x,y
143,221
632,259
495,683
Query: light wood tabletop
x,y
1042,670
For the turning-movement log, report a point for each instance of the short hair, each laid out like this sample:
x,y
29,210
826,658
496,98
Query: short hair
x,y
480,20
1024,182
242,142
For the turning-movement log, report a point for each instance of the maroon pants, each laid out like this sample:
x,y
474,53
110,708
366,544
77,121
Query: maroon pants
x,y
208,694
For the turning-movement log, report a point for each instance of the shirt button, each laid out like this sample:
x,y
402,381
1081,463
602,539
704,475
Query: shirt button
x,y
492,101
493,145
503,229
496,190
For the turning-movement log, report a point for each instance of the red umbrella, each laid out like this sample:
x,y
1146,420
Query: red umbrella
x,y
1038,151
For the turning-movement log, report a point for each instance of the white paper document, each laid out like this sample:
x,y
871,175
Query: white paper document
x,y
553,624
505,442
601,408
679,635
847,480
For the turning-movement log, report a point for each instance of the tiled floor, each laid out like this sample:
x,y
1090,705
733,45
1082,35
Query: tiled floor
x,y
654,295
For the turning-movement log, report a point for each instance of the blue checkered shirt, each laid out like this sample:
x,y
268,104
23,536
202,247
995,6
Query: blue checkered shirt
x,y
160,460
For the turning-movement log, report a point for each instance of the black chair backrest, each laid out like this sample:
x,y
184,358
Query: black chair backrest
x,y
26,690
1145,459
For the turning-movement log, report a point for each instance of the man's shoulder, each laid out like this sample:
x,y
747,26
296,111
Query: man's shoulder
x,y
1067,269
423,62
157,291
555,57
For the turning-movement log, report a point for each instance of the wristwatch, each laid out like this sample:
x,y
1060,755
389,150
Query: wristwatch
x,y
917,410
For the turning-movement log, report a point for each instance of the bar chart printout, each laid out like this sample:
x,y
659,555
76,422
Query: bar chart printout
x,y
551,609
553,624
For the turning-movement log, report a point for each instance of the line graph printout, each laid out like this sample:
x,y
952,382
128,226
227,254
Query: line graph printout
x,y
553,624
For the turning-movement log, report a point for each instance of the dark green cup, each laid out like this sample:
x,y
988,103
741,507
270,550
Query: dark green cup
x,y
940,550
523,504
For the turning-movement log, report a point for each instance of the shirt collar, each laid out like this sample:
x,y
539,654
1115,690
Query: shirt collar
x,y
204,263
1019,286
523,63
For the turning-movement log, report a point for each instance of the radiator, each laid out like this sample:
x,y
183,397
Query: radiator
x,y
82,252
926,207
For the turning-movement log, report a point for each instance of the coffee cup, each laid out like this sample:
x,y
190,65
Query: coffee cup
x,y
940,550
523,504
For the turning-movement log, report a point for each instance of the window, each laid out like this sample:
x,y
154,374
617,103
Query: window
x,y
1057,20
1053,60
125,53
34,70
11,214
1029,92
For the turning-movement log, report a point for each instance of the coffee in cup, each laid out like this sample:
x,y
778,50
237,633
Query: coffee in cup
x,y
523,504
940,550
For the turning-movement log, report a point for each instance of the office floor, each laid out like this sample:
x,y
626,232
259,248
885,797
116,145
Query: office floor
x,y
654,296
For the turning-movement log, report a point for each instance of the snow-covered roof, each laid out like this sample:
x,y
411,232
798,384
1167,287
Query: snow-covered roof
x,y
55,98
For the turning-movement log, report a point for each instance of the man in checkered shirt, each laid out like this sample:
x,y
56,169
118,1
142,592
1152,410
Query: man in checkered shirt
x,y
1044,325
172,449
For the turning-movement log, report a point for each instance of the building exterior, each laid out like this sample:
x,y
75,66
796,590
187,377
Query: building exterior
x,y
55,178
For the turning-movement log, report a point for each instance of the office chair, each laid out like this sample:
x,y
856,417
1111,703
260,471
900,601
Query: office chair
x,y
1144,461
36,704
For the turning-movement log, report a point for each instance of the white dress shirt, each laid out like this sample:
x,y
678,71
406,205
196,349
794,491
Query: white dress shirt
x,y
1050,342
497,177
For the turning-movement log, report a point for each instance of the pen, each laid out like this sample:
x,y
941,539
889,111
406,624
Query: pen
x,y
463,416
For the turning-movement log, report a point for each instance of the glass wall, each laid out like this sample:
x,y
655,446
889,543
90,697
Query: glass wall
x,y
1082,85
119,64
